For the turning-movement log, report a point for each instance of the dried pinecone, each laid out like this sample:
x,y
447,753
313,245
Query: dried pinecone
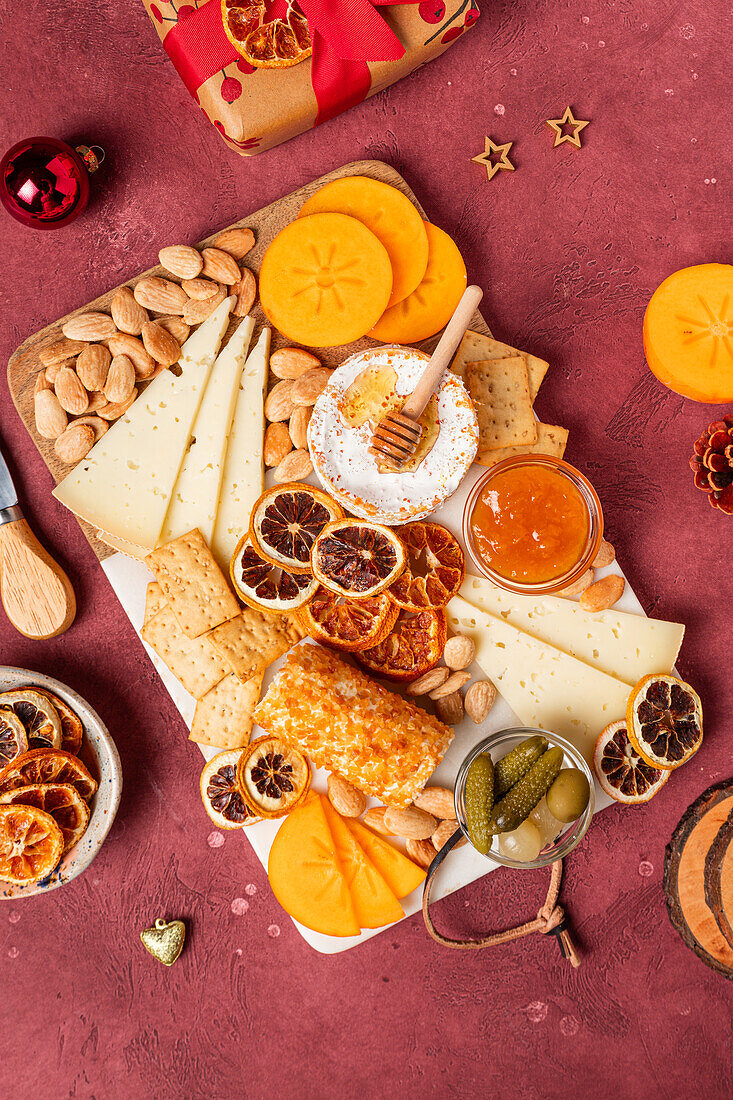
x,y
712,463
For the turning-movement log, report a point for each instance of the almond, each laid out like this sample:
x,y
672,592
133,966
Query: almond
x,y
459,652
437,801
160,295
92,366
237,242
195,312
96,401
606,554
76,442
159,343
89,326
98,426
443,834
578,586
113,410
292,362
200,289
428,681
120,380
60,350
479,700
181,260
277,443
294,467
220,266
51,420
449,708
455,681
308,388
298,425
374,818
246,291
410,822
177,327
345,798
41,383
134,349
421,851
603,594
278,403
127,314
53,368
71,393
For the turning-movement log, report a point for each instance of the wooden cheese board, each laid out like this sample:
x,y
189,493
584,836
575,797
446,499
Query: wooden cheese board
x,y
24,363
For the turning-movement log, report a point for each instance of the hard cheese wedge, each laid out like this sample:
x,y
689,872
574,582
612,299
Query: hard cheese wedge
x,y
374,903
195,496
243,477
306,876
124,484
400,873
625,646
544,686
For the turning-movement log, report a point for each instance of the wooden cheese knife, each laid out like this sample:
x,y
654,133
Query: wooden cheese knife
x,y
36,593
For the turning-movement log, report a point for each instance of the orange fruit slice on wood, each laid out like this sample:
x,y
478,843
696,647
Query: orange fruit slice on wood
x,y
325,280
688,332
276,44
664,721
62,801
429,308
348,624
374,903
391,217
31,844
47,766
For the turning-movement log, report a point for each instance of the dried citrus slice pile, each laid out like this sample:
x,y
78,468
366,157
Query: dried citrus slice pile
x,y
13,738
38,715
47,766
31,844
220,793
664,721
276,44
348,624
260,584
621,771
357,558
286,522
414,645
435,567
62,801
72,730
272,776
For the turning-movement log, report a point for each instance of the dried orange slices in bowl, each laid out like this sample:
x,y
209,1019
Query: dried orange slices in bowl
x,y
38,715
664,721
622,773
357,558
62,801
31,844
273,777
265,586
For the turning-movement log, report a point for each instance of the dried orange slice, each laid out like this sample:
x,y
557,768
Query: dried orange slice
x,y
348,624
664,721
435,567
31,844
413,646
287,520
220,792
621,771
13,738
357,558
38,715
267,587
272,777
72,729
47,766
62,801
277,44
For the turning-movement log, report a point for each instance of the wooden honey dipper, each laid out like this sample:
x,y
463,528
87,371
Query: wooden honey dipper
x,y
399,433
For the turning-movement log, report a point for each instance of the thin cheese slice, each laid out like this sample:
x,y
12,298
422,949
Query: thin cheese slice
x,y
125,482
243,478
195,496
544,686
625,646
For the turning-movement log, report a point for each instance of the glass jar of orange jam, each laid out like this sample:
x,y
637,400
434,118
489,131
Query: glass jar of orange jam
x,y
533,524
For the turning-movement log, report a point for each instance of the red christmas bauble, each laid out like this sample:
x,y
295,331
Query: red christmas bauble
x,y
44,183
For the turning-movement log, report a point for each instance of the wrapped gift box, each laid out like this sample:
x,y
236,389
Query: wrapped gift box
x,y
358,50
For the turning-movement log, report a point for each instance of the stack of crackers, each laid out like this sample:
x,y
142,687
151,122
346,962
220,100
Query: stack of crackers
x,y
218,650
503,383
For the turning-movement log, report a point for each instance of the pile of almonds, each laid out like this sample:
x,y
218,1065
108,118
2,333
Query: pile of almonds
x,y
93,373
288,408
443,685
602,594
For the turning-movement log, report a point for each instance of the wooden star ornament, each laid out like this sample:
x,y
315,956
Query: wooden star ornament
x,y
568,119
486,158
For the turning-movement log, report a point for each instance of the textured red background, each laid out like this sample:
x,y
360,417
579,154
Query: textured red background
x,y
568,249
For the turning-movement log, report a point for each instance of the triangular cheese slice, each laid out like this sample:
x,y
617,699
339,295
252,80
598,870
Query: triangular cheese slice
x,y
374,903
400,873
125,482
195,497
625,646
244,471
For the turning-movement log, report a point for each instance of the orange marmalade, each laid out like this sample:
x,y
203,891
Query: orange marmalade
x,y
530,524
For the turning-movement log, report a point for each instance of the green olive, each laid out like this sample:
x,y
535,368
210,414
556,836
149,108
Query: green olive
x,y
568,796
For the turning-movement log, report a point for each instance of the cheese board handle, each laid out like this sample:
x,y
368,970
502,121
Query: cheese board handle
x,y
37,595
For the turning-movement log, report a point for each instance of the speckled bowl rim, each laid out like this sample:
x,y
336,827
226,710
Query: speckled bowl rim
x,y
106,800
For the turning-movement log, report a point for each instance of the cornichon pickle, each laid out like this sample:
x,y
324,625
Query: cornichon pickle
x,y
510,769
479,800
517,804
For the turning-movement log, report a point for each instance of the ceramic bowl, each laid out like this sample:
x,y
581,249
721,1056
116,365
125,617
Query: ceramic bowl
x,y
99,753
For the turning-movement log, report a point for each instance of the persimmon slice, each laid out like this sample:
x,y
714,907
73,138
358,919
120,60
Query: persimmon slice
x,y
31,844
357,558
276,44
413,646
287,520
47,766
435,567
62,801
348,624
664,721
325,280
622,773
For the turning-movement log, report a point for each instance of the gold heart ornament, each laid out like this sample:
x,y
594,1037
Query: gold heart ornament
x,y
165,940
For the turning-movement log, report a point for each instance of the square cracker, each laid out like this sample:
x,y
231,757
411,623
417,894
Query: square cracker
x,y
253,640
499,390
475,347
225,716
193,661
155,601
193,584
551,440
